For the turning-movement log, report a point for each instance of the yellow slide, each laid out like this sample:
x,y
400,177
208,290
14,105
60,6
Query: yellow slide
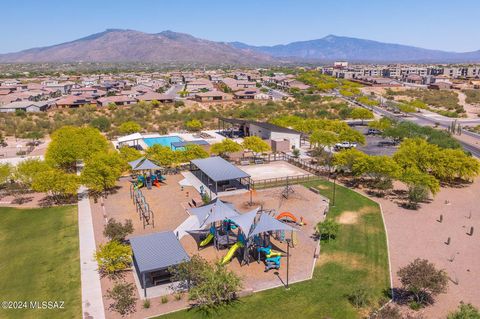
x,y
231,252
206,240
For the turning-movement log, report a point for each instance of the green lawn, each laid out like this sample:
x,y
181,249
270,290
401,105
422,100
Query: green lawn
x,y
357,258
40,260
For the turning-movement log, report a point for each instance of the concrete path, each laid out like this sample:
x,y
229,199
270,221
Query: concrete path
x,y
92,301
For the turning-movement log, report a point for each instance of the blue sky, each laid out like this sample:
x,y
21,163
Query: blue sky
x,y
436,24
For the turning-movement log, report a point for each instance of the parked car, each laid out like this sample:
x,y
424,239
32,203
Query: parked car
x,y
373,131
345,145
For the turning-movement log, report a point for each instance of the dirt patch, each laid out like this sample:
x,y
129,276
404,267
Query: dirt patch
x,y
349,260
321,187
348,218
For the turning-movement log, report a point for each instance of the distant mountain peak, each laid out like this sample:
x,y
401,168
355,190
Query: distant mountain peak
x,y
123,45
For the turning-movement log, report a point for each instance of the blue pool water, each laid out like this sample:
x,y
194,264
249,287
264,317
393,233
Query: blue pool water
x,y
162,140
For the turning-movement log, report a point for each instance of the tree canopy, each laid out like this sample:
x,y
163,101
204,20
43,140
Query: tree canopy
x,y
71,144
129,127
102,171
225,147
255,144
423,280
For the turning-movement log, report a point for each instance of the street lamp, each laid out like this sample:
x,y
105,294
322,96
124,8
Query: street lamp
x,y
288,259
334,176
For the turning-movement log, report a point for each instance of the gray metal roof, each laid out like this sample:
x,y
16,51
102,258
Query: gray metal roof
x,y
185,143
268,223
157,251
219,169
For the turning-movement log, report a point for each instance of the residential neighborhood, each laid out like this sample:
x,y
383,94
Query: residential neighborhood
x,y
244,160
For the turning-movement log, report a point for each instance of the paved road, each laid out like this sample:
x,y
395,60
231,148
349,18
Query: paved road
x,y
427,120
276,94
174,89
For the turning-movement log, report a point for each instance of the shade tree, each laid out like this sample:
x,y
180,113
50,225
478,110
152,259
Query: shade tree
x,y
225,147
255,144
423,280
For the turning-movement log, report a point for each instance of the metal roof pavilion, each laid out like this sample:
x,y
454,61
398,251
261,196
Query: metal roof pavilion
x,y
219,169
157,251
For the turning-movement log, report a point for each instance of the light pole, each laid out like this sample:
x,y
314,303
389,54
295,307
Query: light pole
x,y
334,176
288,259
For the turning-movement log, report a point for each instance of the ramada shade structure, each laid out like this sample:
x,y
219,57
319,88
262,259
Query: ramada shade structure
x,y
155,252
218,174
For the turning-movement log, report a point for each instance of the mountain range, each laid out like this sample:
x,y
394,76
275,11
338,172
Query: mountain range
x,y
118,45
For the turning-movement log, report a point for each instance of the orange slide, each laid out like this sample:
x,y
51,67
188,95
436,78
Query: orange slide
x,y
287,215
291,217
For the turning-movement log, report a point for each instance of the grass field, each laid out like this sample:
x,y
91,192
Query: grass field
x,y
357,258
40,260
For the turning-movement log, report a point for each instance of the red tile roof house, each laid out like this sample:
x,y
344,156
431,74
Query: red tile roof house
x,y
251,94
117,100
73,101
212,96
235,85
151,96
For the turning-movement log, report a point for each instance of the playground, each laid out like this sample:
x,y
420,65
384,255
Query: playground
x,y
266,267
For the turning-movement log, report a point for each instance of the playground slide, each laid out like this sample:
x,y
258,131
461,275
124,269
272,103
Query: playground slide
x,y
140,185
287,215
206,240
231,252
156,183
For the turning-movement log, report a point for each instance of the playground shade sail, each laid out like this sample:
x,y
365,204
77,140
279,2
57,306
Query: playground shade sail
x,y
246,220
268,223
157,251
135,163
219,169
146,164
213,212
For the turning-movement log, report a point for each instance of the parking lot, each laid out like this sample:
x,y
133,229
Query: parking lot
x,y
373,144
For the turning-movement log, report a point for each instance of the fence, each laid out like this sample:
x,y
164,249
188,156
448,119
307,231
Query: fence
x,y
283,181
306,165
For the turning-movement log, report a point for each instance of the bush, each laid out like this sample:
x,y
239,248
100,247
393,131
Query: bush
x,y
123,296
359,297
209,285
129,127
327,229
465,311
113,257
117,231
193,125
102,123
146,303
387,312
164,299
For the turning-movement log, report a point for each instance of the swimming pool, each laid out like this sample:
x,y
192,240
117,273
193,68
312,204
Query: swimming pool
x,y
161,140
